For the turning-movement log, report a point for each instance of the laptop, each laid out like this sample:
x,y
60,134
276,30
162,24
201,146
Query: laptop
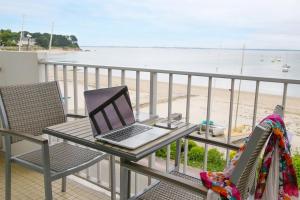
x,y
112,119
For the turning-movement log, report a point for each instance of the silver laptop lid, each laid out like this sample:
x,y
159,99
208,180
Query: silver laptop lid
x,y
109,109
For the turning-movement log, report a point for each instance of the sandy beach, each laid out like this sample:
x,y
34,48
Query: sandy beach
x,y
219,109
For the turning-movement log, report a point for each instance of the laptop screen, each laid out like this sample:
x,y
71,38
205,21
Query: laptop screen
x,y
109,109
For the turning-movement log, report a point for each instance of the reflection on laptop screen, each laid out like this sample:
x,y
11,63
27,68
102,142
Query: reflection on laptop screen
x,y
109,109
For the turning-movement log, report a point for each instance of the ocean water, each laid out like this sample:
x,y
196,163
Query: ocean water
x,y
263,63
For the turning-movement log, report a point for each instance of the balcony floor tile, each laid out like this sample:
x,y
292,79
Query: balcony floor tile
x,y
27,184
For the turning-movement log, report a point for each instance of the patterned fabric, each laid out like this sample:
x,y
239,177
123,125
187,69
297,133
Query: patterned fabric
x,y
288,187
220,183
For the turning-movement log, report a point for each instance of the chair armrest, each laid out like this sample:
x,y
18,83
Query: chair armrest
x,y
36,139
178,181
213,142
76,116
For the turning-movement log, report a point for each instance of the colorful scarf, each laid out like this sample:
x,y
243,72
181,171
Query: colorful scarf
x,y
220,183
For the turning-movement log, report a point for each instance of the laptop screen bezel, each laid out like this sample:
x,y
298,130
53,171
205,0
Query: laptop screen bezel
x,y
96,129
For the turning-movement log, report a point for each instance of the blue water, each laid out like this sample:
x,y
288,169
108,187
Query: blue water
x,y
265,63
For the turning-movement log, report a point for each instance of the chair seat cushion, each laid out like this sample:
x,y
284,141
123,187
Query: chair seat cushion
x,y
63,156
166,191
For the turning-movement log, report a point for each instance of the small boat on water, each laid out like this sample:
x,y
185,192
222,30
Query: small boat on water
x,y
285,68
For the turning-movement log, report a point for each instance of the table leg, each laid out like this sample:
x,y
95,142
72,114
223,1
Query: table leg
x,y
178,153
124,181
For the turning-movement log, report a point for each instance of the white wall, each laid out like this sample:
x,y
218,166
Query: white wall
x,y
18,68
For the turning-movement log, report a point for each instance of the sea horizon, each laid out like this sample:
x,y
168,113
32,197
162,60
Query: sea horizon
x,y
183,47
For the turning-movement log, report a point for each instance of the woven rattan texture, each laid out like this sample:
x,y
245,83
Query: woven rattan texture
x,y
30,108
166,191
63,156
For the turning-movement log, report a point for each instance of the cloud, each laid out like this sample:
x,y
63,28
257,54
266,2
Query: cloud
x,y
260,23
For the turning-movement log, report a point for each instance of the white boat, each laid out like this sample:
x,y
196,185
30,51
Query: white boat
x,y
285,69
286,66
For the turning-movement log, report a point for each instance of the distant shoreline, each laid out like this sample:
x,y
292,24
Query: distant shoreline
x,y
39,49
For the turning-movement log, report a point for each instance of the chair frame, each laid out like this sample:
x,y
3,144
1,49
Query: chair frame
x,y
49,175
192,186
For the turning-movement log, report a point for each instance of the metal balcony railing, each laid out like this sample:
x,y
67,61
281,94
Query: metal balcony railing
x,y
74,67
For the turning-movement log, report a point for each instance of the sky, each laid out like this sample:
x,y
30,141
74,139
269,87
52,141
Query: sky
x,y
263,24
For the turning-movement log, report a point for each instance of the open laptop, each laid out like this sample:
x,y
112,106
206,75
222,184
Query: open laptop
x,y
113,121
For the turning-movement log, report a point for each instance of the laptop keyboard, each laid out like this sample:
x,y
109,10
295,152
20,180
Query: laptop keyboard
x,y
126,133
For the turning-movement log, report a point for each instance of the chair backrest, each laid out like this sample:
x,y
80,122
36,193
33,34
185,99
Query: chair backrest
x,y
30,108
244,173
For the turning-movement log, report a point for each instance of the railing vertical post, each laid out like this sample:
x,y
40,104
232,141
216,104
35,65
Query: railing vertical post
x,y
138,90
137,108
285,87
97,79
170,97
109,78
187,120
136,181
123,77
65,80
152,111
86,79
85,83
168,158
46,73
153,93
207,120
113,177
86,87
112,158
55,72
255,104
98,173
75,88
98,166
230,119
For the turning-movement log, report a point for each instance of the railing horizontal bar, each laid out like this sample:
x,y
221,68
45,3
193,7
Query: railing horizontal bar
x,y
214,75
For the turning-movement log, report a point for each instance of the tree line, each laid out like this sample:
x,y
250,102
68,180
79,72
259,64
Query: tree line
x,y
10,38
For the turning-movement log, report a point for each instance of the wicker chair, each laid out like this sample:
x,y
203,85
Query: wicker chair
x,y
25,110
179,186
